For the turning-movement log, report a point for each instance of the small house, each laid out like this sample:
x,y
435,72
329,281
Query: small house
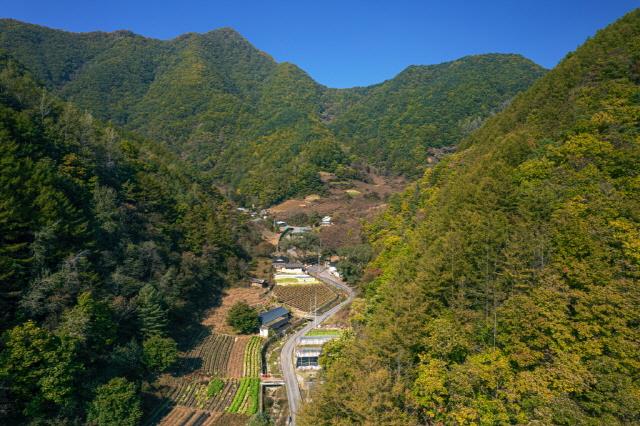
x,y
299,230
258,282
326,221
279,262
273,320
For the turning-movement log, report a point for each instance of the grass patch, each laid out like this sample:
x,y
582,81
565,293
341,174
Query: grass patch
x,y
323,332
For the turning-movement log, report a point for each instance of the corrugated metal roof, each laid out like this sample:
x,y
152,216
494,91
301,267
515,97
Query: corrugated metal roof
x,y
267,317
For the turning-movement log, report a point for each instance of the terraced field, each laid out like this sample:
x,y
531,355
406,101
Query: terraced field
x,y
305,297
193,393
245,400
224,362
235,366
183,416
252,358
212,354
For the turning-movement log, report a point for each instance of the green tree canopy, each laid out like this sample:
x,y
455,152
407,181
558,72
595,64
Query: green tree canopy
x,y
116,404
243,318
159,353
39,369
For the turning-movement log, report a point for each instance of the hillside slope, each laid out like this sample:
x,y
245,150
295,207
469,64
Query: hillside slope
x,y
257,125
109,246
392,124
505,288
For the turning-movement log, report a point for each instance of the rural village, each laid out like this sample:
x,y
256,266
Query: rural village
x,y
302,302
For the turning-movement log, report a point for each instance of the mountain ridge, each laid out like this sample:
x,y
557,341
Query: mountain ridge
x,y
216,100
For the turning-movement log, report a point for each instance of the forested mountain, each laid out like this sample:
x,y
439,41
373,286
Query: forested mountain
x,y
110,247
392,124
261,128
505,286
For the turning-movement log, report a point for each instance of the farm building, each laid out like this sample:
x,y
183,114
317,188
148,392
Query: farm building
x,y
279,262
307,357
291,268
326,221
258,282
273,320
295,231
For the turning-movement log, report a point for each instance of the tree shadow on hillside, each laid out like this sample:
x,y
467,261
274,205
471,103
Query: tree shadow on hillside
x,y
155,408
186,366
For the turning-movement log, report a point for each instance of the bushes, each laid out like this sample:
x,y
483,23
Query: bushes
x,y
116,403
159,353
243,318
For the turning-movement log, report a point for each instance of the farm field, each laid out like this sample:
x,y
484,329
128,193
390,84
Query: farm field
x,y
305,297
211,356
235,365
213,387
252,367
183,416
246,398
193,394
285,279
324,332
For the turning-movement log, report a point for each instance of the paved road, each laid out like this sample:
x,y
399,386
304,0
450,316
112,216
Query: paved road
x,y
287,355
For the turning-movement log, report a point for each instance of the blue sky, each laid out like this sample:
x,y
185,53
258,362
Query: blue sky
x,y
349,43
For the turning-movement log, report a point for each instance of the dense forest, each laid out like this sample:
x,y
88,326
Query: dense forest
x,y
392,124
110,248
263,130
504,289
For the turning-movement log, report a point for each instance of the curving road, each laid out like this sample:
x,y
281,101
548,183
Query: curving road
x,y
287,356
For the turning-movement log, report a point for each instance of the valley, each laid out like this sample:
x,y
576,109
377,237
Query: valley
x,y
194,233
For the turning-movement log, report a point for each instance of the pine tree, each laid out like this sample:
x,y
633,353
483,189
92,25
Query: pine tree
x,y
151,312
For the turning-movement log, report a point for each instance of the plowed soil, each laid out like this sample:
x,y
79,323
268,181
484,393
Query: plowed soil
x,y
236,359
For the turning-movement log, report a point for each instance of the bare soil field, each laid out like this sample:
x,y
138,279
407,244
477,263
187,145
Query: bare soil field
x,y
217,317
235,366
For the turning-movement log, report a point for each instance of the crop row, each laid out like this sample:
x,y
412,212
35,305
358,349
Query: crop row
x,y
246,399
235,366
252,357
305,297
183,416
212,354
194,394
